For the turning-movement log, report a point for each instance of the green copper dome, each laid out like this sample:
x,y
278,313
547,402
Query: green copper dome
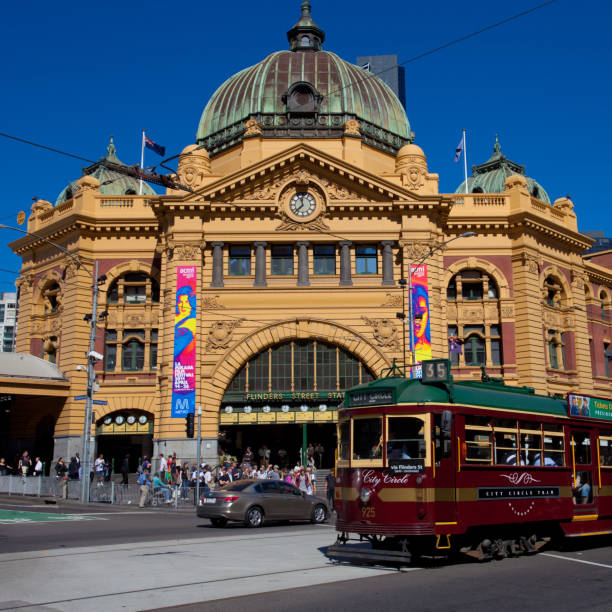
x,y
111,183
491,176
304,93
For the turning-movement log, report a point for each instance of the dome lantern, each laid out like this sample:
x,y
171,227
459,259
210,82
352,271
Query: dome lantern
x,y
305,35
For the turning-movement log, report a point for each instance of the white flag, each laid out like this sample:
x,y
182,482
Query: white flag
x,y
459,148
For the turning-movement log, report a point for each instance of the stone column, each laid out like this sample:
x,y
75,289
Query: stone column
x,y
303,279
387,262
260,264
217,264
345,263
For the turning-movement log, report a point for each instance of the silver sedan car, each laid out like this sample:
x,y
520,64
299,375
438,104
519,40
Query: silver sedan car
x,y
255,501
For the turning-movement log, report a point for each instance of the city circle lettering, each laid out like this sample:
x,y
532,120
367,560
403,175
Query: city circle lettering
x,y
373,478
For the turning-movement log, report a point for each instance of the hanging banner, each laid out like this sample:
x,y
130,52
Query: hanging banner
x,y
183,372
420,318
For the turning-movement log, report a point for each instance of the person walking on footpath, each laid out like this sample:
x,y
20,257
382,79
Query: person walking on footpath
x,y
38,467
60,471
145,483
330,479
25,463
125,470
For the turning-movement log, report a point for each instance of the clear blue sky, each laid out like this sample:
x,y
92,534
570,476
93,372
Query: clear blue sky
x,y
74,73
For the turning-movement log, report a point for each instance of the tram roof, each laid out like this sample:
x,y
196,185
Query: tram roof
x,y
490,394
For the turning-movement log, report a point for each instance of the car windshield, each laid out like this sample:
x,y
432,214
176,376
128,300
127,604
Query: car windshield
x,y
239,486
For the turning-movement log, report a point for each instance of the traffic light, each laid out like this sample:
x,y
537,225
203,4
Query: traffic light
x,y
189,425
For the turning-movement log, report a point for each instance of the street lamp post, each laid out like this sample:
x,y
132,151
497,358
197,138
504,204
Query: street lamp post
x,y
402,282
92,356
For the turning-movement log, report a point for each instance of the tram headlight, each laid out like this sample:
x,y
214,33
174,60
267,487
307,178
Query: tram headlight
x,y
365,495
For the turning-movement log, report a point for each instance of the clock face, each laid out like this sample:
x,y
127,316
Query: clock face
x,y
119,419
302,204
131,419
142,419
108,420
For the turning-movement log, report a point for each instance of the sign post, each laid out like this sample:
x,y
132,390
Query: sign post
x,y
199,453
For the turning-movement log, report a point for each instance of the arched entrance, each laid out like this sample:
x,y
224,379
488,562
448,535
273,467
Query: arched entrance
x,y
287,396
125,432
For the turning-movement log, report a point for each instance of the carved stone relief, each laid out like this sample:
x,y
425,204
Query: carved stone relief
x,y
473,313
507,311
392,301
384,330
252,128
220,334
352,128
186,252
212,303
70,271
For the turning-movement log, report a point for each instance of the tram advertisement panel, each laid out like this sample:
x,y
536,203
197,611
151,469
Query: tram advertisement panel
x,y
183,371
420,316
592,407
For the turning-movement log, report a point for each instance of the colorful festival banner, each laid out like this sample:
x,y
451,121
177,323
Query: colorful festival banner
x,y
591,407
420,318
183,373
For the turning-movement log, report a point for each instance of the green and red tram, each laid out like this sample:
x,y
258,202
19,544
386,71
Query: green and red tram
x,y
431,466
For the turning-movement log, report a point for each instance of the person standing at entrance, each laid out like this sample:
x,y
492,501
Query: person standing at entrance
x,y
330,479
99,467
25,463
145,483
125,470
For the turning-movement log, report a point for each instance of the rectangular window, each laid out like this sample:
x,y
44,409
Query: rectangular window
x,y
135,294
133,356
605,449
344,440
531,443
554,445
563,352
326,367
324,259
581,441
506,442
259,372
552,354
1,313
153,350
475,352
366,260
282,260
607,358
239,260
367,439
406,438
9,332
496,351
281,367
238,384
478,440
110,350
303,366
348,370
470,290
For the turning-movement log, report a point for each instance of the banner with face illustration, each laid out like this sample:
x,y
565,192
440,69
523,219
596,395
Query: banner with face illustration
x,y
421,340
183,371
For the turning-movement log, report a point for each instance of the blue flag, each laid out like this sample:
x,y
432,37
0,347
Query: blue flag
x,y
149,144
459,148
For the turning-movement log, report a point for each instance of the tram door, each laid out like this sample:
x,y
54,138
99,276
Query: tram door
x,y
585,483
444,471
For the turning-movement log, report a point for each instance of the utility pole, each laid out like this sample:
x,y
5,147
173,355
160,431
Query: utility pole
x,y
199,453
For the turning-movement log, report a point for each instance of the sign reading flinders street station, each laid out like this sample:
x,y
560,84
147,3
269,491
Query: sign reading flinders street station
x,y
254,415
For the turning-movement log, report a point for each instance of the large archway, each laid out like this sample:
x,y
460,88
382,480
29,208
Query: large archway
x,y
285,399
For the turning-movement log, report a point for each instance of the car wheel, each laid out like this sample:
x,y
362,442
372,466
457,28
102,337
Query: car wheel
x,y
254,517
318,514
218,522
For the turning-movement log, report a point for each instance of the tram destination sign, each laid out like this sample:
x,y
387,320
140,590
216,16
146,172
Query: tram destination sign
x,y
406,466
371,398
589,407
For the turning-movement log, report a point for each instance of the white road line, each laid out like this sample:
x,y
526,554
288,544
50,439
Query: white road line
x,y
576,560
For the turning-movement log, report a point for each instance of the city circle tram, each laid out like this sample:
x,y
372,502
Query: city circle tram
x,y
431,466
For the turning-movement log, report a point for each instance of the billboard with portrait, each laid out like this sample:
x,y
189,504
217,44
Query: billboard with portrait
x,y
421,338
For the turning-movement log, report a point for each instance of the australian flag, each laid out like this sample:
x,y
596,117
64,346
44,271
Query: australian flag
x,y
149,144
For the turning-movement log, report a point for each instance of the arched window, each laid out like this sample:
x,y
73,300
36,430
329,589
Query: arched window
x,y
133,350
554,295
133,288
556,349
300,366
603,300
468,344
305,41
51,295
130,192
477,190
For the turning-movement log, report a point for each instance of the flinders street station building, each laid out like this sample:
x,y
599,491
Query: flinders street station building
x,y
268,281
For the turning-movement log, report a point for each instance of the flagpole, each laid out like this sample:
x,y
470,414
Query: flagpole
x,y
465,161
141,160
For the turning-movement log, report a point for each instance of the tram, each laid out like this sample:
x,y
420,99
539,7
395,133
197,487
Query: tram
x,y
434,466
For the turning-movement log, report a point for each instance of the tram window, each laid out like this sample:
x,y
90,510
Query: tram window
x,y
344,440
367,438
406,438
581,441
605,449
506,447
531,442
554,446
478,433
442,439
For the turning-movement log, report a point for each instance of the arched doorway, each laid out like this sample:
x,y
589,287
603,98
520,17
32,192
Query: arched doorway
x,y
125,432
286,397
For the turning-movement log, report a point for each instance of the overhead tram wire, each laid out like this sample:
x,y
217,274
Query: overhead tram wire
x,y
351,83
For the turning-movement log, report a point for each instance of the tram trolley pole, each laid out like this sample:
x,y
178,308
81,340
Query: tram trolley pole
x,y
199,453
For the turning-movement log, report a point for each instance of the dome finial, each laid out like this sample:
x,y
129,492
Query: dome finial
x,y
497,146
306,35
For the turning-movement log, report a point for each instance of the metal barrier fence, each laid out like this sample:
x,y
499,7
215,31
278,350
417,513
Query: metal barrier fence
x,y
104,492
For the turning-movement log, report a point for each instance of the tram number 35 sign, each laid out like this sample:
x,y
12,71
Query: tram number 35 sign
x,y
436,371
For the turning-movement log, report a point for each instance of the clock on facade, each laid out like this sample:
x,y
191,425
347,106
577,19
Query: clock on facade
x,y
131,419
142,419
120,419
302,204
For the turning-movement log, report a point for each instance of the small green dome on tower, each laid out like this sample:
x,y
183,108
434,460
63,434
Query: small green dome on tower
x,y
111,183
491,176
